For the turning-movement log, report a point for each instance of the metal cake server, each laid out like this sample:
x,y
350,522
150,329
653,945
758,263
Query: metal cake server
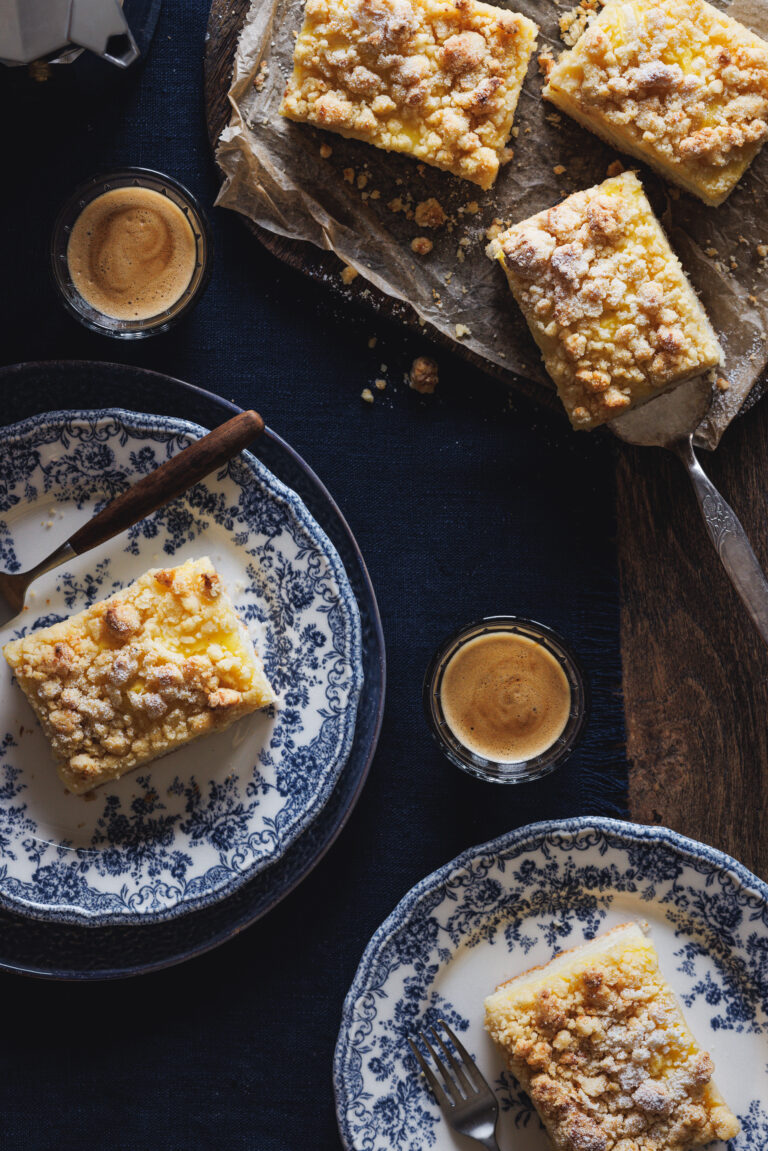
x,y
153,491
669,422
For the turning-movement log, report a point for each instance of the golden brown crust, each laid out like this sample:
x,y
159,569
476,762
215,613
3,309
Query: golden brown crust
x,y
437,79
606,300
676,83
137,675
598,1040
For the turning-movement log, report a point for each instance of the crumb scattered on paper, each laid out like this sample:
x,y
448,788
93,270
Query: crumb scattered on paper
x,y
429,213
546,62
260,78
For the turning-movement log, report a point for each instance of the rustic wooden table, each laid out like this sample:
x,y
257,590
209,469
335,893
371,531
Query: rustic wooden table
x,y
695,673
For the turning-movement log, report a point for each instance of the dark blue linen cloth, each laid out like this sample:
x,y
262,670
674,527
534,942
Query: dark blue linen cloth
x,y
466,503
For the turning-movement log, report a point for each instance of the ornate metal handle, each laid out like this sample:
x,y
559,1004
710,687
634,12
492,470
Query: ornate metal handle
x,y
730,540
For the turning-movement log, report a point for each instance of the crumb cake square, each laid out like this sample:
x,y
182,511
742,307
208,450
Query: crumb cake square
x,y
676,83
137,675
606,300
436,79
598,1040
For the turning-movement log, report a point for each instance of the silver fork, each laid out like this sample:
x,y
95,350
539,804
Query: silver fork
x,y
465,1099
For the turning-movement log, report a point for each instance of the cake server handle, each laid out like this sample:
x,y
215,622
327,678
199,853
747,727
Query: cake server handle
x,y
151,492
730,540
169,480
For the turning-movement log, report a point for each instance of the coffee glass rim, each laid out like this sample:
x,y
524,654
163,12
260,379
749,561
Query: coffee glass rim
x,y
497,771
85,193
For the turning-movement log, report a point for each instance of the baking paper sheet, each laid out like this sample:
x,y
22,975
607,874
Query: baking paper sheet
x,y
275,175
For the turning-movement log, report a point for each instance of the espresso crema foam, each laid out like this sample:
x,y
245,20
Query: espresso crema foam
x,y
131,253
505,697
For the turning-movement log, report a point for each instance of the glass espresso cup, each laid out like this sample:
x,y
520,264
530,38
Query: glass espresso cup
x,y
131,253
505,699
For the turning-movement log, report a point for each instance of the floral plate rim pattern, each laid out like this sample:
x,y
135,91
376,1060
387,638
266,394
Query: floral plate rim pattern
x,y
245,468
368,988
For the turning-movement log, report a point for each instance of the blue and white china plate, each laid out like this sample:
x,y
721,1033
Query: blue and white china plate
x,y
189,829
512,904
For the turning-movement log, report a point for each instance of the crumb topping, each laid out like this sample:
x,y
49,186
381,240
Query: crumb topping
x,y
136,675
438,79
574,22
605,1054
677,83
606,300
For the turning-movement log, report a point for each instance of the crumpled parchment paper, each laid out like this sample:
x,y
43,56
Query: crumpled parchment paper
x,y
275,175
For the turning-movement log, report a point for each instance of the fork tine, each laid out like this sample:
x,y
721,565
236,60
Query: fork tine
x,y
469,1064
452,1088
442,1099
464,1083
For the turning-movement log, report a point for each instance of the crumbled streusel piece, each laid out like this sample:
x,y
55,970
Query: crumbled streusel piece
x,y
348,274
494,229
421,245
545,61
260,78
606,300
423,376
675,82
429,213
598,1040
438,79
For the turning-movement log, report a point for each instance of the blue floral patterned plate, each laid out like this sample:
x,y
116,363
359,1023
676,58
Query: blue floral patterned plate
x,y
511,904
193,827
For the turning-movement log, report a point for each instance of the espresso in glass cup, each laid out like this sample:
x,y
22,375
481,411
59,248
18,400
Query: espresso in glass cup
x,y
131,253
506,699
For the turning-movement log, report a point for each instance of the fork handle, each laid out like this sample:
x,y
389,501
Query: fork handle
x,y
169,480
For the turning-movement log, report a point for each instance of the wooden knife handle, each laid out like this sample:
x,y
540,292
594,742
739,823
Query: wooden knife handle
x,y
169,480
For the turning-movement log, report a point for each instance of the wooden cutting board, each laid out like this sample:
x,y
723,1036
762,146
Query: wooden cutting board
x,y
695,675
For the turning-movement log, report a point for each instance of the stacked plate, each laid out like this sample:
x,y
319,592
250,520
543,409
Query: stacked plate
x,y
167,862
